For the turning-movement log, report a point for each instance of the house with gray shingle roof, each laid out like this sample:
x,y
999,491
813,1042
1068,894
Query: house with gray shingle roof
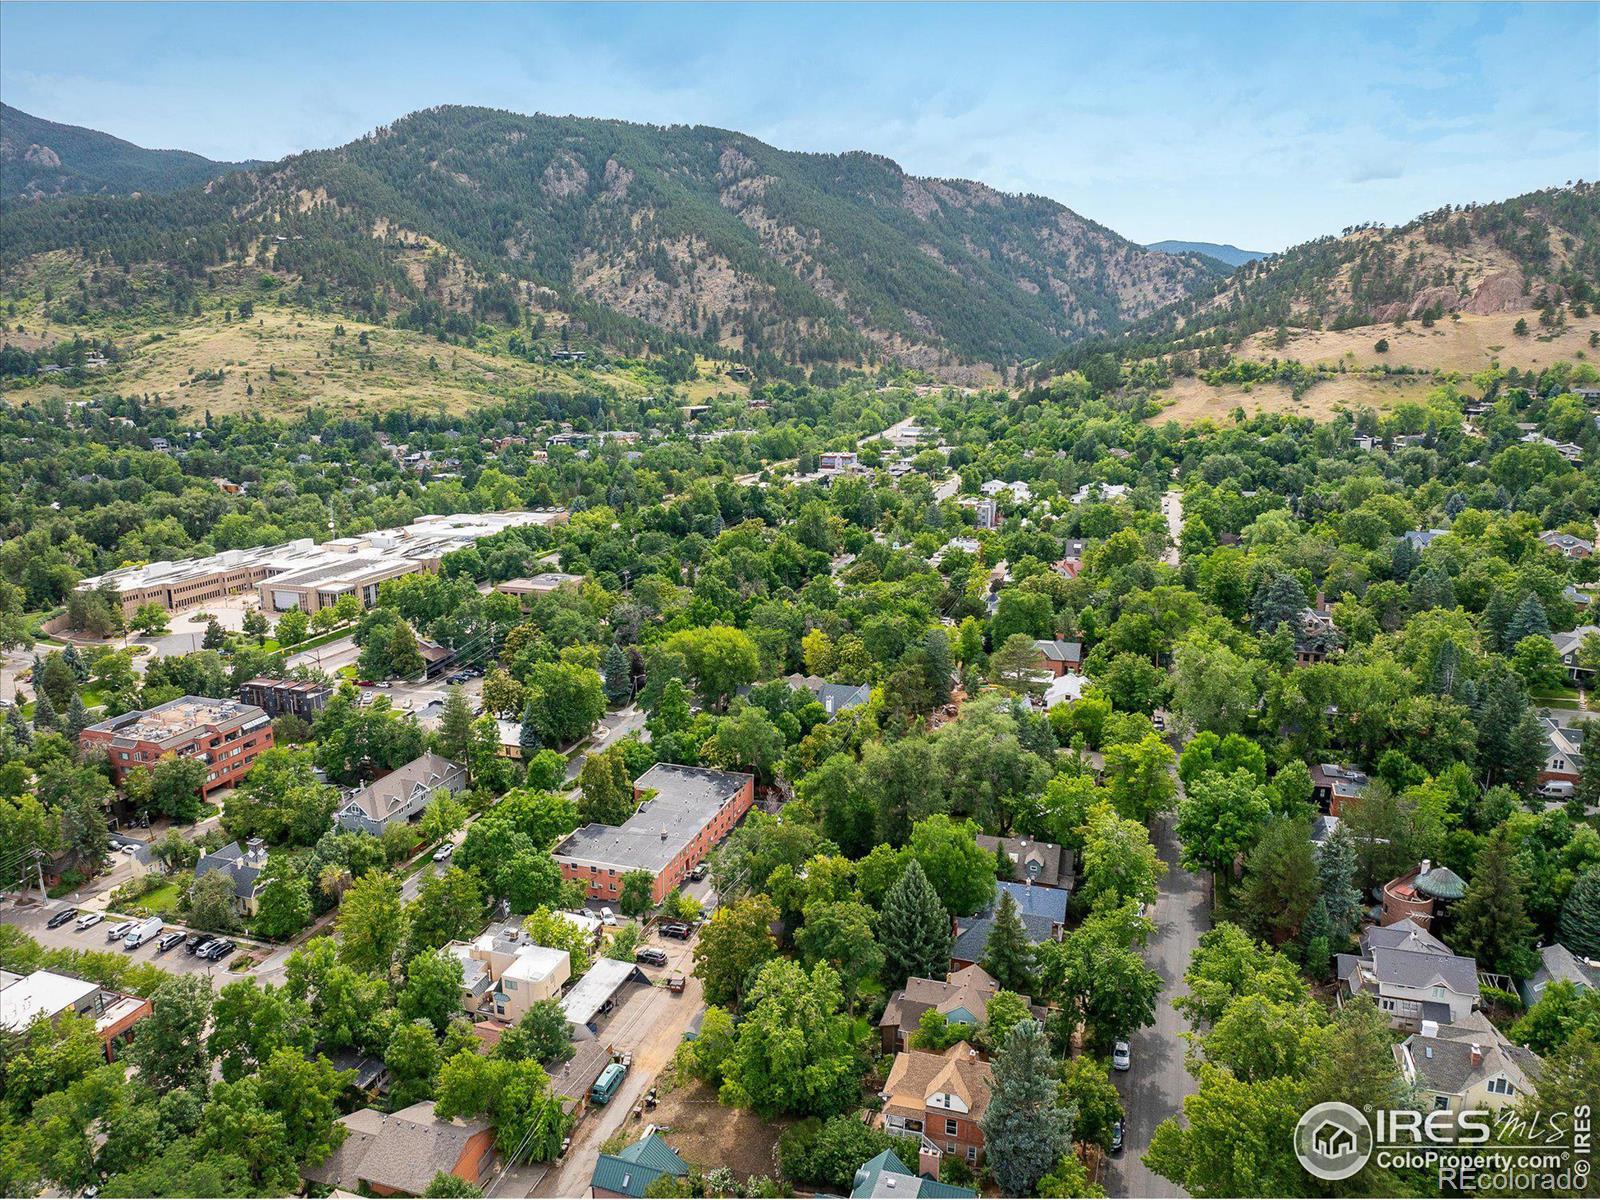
x,y
1556,964
972,938
242,866
401,795
835,698
400,1153
1469,1065
1412,982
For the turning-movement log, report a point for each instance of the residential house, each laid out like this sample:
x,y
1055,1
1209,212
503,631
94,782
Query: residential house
x,y
1333,785
275,697
1466,1066
886,1177
835,698
1059,657
1416,895
985,512
838,460
1317,636
963,998
242,866
504,974
1044,864
1567,544
630,1171
1567,644
401,795
1411,983
1563,751
1105,493
972,935
1421,538
1365,441
939,1099
1570,451
1558,964
399,1154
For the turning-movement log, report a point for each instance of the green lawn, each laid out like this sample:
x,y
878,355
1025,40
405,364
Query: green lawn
x,y
161,901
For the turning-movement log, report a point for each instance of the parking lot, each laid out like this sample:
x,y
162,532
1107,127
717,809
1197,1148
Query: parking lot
x,y
32,918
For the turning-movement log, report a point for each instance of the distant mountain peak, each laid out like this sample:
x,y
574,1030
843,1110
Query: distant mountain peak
x,y
1223,252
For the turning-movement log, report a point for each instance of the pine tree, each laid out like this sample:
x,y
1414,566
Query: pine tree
x,y
1446,669
44,713
1025,1128
1496,616
216,638
528,736
914,930
1404,559
1580,915
455,727
1275,895
78,718
1008,955
73,659
1336,874
618,674
1529,620
1491,922
18,725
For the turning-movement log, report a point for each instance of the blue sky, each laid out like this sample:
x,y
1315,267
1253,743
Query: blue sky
x,y
1261,125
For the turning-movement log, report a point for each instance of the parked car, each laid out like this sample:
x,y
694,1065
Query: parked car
x,y
219,949
61,918
444,852
1116,1138
701,870
121,931
1557,789
1121,1056
141,933
675,983
609,917
89,919
383,683
168,941
675,929
365,683
651,955
196,940
201,950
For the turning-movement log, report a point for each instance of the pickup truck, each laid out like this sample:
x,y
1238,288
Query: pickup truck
x,y
141,933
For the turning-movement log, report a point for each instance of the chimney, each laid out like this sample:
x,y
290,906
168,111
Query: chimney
x,y
1427,865
928,1160
1430,1029
1477,1054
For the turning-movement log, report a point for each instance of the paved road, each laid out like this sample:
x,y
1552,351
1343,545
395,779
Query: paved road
x,y
1172,508
1155,1087
338,653
617,725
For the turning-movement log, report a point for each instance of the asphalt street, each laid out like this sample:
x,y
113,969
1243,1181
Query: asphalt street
x,y
1154,1088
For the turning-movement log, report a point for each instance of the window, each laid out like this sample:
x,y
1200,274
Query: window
x,y
950,1126
1440,1103
972,1154
1500,1086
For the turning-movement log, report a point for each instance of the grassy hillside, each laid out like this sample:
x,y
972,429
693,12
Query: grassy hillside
x,y
40,158
698,237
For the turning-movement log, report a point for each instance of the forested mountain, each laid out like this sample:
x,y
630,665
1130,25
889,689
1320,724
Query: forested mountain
x,y
709,235
1224,252
1540,251
40,158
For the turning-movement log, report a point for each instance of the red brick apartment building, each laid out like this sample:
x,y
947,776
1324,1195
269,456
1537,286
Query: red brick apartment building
x,y
685,812
226,734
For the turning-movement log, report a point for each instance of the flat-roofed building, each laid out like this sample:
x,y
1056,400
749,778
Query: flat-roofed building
x,y
226,735
685,811
542,584
47,995
275,697
354,564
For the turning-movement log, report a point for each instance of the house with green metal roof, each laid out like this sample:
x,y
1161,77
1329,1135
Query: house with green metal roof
x,y
887,1176
636,1167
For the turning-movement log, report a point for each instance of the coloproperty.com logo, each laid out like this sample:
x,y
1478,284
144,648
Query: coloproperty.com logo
x,y
1469,1150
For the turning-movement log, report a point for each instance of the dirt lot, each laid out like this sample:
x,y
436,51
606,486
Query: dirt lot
x,y
1192,400
708,1134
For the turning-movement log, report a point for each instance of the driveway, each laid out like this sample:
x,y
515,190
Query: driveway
x,y
1172,509
1155,1087
650,1022
617,725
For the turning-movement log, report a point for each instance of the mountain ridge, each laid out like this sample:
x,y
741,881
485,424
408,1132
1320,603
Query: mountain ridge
x,y
692,232
40,158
